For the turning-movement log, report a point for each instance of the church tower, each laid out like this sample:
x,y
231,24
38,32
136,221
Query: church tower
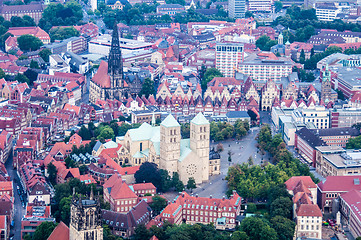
x,y
326,90
85,219
199,142
115,66
170,137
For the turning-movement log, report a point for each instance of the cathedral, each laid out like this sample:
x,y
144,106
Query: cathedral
x,y
164,146
109,81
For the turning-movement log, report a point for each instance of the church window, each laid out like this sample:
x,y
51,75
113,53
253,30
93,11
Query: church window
x,y
141,147
171,139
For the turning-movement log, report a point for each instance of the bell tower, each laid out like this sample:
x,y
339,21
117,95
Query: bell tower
x,y
85,219
326,89
170,137
115,65
199,142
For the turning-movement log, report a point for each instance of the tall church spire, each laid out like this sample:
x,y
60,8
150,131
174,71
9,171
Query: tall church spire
x,y
115,63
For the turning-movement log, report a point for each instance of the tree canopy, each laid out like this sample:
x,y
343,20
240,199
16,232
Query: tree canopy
x,y
29,43
60,33
44,230
265,43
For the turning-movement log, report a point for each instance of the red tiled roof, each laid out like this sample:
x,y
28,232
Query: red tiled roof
x,y
61,232
311,210
6,186
294,181
101,77
341,183
143,186
35,31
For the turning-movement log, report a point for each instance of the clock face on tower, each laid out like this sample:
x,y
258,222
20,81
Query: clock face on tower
x,y
191,169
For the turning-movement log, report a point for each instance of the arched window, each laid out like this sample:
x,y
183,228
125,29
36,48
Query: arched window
x,y
141,147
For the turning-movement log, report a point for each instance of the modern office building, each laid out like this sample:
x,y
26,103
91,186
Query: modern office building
x,y
228,57
236,8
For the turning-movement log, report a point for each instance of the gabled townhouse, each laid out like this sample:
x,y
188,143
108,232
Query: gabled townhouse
x,y
306,212
119,195
6,145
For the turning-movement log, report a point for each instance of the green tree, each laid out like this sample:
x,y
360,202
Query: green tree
x,y
44,54
185,130
177,183
302,56
354,143
251,208
29,43
148,172
278,6
84,133
238,235
284,227
191,184
282,206
257,229
265,43
250,160
2,73
158,204
60,33
141,233
249,14
52,171
44,230
106,133
22,78
27,237
64,207
209,75
147,88
34,64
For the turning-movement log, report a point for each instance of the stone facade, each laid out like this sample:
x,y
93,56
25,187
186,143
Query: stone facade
x,y
269,92
164,146
85,219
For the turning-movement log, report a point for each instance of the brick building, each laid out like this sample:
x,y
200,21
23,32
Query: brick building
x,y
221,212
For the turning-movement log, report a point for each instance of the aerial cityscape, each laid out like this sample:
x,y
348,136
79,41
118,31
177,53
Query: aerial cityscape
x,y
180,120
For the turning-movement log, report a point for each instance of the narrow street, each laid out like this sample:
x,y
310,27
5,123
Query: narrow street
x,y
19,210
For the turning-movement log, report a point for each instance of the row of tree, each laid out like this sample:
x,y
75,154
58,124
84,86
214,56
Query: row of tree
x,y
220,131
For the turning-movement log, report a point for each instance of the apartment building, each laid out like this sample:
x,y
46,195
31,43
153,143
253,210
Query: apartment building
x,y
228,57
260,5
264,66
318,115
335,161
327,11
236,8
345,117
